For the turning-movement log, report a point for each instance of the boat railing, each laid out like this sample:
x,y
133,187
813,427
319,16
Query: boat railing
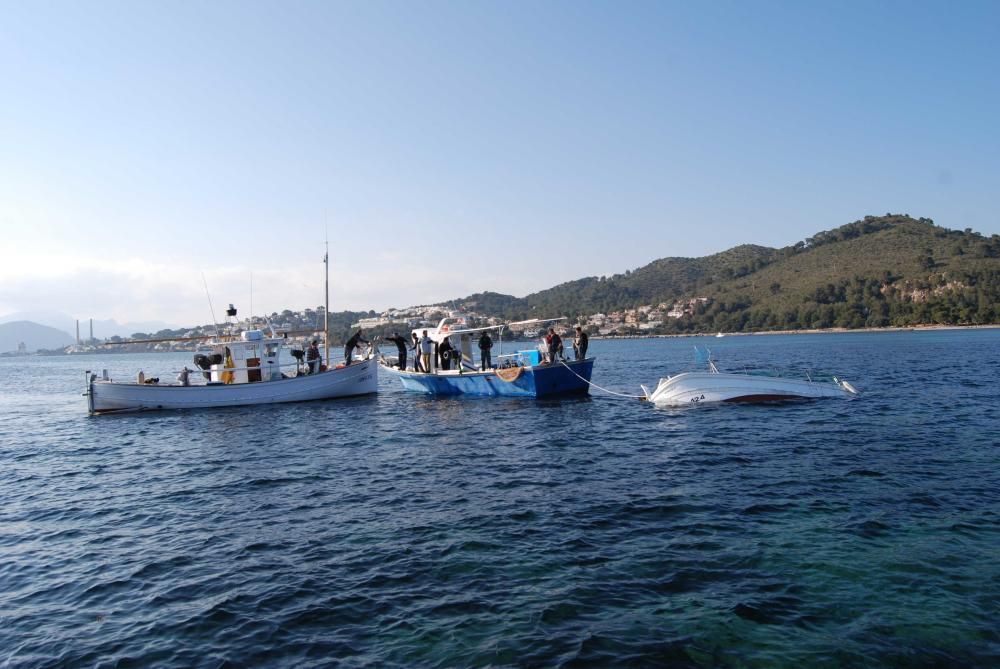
x,y
791,373
369,353
516,359
198,373
242,369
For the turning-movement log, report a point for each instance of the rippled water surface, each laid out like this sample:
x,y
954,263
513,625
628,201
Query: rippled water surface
x,y
400,530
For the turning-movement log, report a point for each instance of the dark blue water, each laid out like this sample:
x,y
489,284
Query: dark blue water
x,y
399,530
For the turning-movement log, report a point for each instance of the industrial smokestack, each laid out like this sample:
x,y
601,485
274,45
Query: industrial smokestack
x,y
91,329
78,331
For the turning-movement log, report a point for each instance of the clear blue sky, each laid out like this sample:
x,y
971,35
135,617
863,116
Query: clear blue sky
x,y
457,147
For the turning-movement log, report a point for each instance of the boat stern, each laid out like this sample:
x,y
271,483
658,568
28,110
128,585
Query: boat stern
x,y
88,392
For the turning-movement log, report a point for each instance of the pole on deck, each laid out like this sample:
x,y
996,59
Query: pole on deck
x,y
326,308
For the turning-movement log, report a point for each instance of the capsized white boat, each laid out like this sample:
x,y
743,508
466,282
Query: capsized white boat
x,y
690,388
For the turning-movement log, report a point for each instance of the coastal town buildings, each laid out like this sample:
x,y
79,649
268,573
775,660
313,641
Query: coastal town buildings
x,y
641,319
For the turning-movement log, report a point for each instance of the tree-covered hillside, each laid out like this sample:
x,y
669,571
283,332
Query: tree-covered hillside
x,y
878,271
661,280
891,270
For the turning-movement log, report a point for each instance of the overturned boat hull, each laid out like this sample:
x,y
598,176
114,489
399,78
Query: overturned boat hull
x,y
705,387
569,378
360,378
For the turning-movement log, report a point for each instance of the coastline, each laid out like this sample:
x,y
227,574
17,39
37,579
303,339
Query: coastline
x,y
758,333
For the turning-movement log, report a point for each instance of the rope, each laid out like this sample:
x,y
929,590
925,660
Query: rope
x,y
591,383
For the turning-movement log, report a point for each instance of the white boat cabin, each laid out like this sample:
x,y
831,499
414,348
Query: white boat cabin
x,y
249,359
455,328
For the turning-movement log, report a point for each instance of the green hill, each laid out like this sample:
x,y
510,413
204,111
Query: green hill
x,y
891,270
663,280
878,271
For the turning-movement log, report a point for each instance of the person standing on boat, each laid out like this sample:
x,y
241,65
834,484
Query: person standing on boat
x,y
426,351
351,344
400,348
485,344
555,344
580,343
313,358
444,354
417,367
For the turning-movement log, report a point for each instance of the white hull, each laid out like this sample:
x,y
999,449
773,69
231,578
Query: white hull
x,y
701,387
360,378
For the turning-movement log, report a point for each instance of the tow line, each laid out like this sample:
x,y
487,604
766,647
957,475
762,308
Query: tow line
x,y
591,383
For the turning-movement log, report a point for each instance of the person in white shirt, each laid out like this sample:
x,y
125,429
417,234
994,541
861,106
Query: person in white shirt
x,y
426,350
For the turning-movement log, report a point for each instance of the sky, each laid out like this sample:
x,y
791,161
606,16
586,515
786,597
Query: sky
x,y
148,149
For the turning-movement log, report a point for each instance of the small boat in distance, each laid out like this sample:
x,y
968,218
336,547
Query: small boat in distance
x,y
690,388
519,374
238,366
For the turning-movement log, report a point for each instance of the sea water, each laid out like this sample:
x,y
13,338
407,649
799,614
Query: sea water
x,y
404,530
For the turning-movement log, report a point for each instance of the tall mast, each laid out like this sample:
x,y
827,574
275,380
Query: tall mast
x,y
326,307
215,323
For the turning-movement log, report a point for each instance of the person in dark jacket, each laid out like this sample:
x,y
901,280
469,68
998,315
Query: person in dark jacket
x,y
580,343
555,344
313,358
485,344
444,353
351,344
400,343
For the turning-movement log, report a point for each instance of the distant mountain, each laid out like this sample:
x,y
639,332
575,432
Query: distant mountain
x,y
102,328
33,335
878,271
53,319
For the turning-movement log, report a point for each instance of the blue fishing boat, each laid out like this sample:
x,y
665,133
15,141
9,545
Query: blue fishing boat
x,y
524,373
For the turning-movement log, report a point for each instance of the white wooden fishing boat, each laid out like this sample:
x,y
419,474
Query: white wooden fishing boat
x,y
690,388
238,366
249,373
